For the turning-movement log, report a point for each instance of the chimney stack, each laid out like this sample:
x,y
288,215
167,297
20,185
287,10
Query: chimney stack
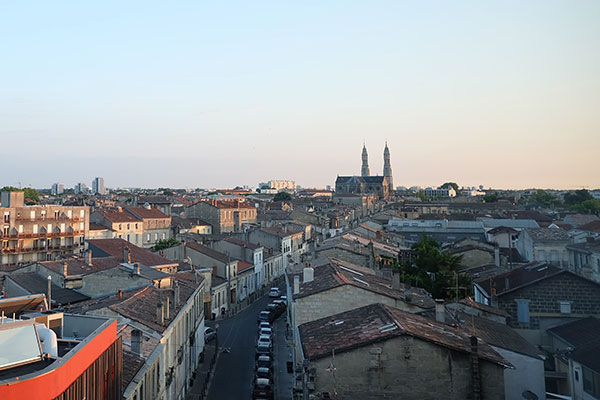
x,y
177,294
296,284
506,283
160,313
476,376
49,292
395,279
168,308
137,269
120,294
497,256
126,255
88,257
309,274
440,311
136,341
65,269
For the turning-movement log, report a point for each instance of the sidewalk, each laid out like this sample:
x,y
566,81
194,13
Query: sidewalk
x,y
203,372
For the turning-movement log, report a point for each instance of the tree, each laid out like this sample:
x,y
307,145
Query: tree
x,y
587,207
165,244
577,197
435,271
449,185
31,195
422,196
282,196
543,198
491,198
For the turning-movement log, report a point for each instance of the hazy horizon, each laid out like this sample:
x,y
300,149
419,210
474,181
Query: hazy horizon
x,y
150,94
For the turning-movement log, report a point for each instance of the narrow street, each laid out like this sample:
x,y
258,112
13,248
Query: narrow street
x,y
234,371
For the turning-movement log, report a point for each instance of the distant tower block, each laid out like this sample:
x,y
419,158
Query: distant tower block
x,y
387,167
364,171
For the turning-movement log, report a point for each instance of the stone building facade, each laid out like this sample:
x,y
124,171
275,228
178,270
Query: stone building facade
x,y
224,215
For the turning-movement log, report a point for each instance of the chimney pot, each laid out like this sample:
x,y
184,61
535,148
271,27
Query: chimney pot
x,y
440,311
160,313
65,269
136,341
309,274
120,294
168,308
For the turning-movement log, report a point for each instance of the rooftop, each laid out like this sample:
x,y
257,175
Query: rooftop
x,y
115,248
548,234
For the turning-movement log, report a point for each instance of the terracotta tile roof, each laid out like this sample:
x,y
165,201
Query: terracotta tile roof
x,y
497,334
377,322
207,251
242,266
146,213
77,265
98,227
593,226
101,302
335,273
116,216
277,231
131,365
187,222
141,307
115,247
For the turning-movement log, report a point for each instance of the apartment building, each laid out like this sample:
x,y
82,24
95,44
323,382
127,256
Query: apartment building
x,y
224,215
40,233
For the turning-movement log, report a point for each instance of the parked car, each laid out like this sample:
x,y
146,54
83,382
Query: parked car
x,y
280,303
264,340
284,298
265,331
262,389
264,324
264,372
263,361
263,350
265,316
274,292
209,334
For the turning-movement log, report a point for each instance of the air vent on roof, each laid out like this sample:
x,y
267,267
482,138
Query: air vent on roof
x,y
338,322
361,281
350,270
387,328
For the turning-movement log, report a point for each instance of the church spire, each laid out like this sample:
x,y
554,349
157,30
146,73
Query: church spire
x,y
364,171
387,167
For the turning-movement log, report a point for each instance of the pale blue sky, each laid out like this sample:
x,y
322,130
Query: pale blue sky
x,y
216,94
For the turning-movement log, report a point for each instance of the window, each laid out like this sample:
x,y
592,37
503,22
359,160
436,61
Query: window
x,y
6,217
136,226
591,382
56,214
128,225
523,311
32,214
128,238
155,237
148,237
70,213
20,228
565,307
163,236
81,213
120,226
35,228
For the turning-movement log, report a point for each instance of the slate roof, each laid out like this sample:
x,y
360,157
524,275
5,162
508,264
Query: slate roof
x,y
377,322
511,223
593,226
207,251
35,284
243,243
115,247
98,227
497,334
578,333
588,355
519,277
588,247
131,365
502,229
335,273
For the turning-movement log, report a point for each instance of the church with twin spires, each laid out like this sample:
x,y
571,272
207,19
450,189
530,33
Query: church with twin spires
x,y
382,186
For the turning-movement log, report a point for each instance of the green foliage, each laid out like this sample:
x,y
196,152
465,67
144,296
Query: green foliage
x,y
422,196
165,244
587,207
282,196
576,197
491,197
435,271
449,185
543,198
30,193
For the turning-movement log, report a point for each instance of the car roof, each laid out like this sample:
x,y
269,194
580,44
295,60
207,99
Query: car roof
x,y
262,369
262,381
264,358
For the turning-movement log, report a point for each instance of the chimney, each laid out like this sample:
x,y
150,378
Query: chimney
x,y
126,255
309,274
497,256
49,292
137,269
136,341
120,209
296,284
506,283
160,313
177,294
65,269
88,257
476,376
440,311
395,279
120,294
168,308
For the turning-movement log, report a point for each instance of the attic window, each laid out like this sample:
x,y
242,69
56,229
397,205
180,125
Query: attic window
x,y
565,307
361,281
387,328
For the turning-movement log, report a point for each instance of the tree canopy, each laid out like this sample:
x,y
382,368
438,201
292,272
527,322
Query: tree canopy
x,y
582,201
31,195
543,198
449,185
491,197
165,244
435,271
282,196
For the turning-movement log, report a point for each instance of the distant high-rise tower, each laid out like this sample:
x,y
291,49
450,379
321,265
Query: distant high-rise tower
x,y
364,171
387,168
98,186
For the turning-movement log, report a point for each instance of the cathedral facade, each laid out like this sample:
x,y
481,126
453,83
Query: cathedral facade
x,y
382,186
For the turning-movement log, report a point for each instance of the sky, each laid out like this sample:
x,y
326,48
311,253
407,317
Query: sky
x,y
225,93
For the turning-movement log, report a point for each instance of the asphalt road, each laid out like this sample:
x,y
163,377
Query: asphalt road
x,y
234,371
